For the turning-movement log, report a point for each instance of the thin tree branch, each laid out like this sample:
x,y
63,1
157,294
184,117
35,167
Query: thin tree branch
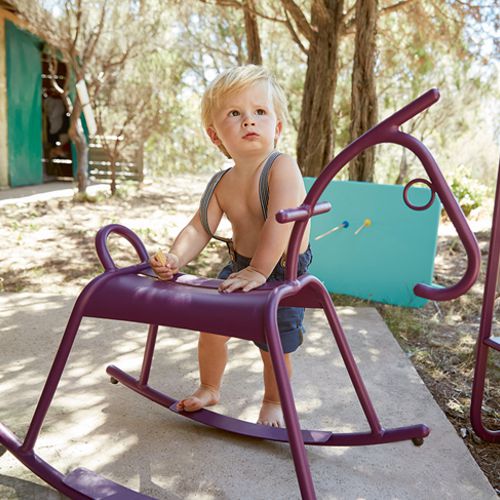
x,y
238,5
294,34
396,6
348,26
78,16
90,48
300,20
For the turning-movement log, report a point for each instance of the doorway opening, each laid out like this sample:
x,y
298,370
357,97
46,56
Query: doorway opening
x,y
57,154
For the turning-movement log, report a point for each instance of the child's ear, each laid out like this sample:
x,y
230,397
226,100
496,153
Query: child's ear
x,y
279,128
213,136
277,133
215,139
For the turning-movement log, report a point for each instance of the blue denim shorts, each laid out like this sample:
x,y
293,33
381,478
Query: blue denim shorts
x,y
290,319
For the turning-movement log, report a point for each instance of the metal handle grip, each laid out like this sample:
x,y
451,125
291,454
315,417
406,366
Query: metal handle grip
x,y
128,234
303,212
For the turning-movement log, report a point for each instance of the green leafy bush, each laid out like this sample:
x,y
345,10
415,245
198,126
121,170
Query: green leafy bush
x,y
467,190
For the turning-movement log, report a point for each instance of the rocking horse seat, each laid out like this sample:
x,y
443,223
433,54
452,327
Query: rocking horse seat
x,y
191,302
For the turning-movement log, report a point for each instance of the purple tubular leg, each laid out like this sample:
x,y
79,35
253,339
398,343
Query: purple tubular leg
x,y
485,341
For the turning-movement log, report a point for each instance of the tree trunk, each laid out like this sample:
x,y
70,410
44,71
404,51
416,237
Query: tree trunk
x,y
113,176
139,161
364,93
252,33
113,156
78,138
315,138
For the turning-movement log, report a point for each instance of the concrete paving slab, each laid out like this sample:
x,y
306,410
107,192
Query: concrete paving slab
x,y
43,192
130,440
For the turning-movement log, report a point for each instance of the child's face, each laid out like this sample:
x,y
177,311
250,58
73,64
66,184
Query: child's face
x,y
245,123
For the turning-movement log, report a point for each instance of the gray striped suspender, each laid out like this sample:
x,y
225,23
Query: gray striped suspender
x,y
264,182
205,200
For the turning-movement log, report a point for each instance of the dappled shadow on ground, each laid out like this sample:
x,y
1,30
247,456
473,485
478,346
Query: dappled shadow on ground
x,y
50,244
15,488
441,338
106,428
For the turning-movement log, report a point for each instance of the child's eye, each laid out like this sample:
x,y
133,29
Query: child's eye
x,y
234,113
261,111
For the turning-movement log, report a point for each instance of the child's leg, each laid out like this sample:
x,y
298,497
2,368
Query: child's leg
x,y
270,412
212,358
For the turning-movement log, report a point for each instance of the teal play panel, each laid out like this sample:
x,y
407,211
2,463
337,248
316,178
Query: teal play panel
x,y
380,260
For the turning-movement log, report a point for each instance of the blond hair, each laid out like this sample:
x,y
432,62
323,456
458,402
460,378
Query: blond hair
x,y
235,80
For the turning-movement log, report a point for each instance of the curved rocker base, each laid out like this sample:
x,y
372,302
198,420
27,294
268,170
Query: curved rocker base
x,y
79,484
416,433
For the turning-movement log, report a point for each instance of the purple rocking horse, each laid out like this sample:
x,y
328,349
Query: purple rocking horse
x,y
130,294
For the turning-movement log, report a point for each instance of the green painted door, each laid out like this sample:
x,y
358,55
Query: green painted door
x,y
24,102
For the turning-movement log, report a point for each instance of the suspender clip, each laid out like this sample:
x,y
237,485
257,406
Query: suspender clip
x,y
230,249
283,261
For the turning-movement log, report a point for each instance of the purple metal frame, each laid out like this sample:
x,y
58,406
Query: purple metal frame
x,y
129,294
485,341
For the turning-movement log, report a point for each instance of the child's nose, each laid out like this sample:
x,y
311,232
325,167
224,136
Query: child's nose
x,y
248,120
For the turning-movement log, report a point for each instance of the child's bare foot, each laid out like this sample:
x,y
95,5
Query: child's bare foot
x,y
271,414
203,396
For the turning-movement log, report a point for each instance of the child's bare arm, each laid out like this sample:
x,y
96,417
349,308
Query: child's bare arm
x,y
286,190
188,244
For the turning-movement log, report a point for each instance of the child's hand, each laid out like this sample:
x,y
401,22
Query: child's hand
x,y
164,265
247,279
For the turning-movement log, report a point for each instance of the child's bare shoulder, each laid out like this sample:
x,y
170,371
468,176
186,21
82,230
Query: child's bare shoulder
x,y
285,169
285,159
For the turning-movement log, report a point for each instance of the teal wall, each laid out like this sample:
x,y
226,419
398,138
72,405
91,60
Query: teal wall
x,y
24,113
385,260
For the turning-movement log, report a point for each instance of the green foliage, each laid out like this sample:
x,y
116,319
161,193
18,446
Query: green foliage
x,y
204,40
84,197
467,190
176,48
419,46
